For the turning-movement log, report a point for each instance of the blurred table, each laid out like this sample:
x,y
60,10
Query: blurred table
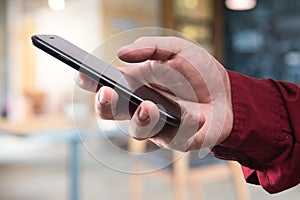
x,y
54,127
36,124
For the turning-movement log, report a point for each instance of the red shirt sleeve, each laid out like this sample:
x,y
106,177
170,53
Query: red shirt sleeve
x,y
265,138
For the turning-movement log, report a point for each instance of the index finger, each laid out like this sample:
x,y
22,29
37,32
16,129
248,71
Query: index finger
x,y
86,83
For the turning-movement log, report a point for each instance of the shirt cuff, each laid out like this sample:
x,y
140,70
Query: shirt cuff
x,y
259,135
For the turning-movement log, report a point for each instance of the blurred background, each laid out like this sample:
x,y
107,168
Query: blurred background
x,y
43,157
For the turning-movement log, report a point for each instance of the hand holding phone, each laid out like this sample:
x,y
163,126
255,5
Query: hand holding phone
x,y
107,75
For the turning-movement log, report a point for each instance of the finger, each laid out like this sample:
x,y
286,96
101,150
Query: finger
x,y
86,83
106,101
150,48
183,137
144,121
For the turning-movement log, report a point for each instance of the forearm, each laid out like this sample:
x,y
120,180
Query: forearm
x,y
262,138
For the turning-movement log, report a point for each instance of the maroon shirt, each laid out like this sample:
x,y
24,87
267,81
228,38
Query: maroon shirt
x,y
266,132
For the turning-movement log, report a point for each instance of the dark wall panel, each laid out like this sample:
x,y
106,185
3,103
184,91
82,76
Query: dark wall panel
x,y
265,41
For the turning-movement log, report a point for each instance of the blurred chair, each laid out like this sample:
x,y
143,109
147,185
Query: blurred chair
x,y
186,176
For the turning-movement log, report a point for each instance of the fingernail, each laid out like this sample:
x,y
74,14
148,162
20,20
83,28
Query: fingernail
x,y
101,98
143,115
78,80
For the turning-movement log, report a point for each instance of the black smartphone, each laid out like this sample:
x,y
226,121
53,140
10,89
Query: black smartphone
x,y
105,74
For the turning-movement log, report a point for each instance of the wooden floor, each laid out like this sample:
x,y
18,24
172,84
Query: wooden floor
x,y
40,171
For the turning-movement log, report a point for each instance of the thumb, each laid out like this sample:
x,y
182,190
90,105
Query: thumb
x,y
151,48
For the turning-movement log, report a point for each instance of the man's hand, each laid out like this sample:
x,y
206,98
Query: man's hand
x,y
185,73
